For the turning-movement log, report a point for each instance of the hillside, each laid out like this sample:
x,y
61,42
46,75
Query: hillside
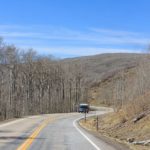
x,y
99,67
122,82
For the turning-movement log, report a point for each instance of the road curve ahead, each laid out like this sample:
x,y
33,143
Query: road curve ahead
x,y
49,132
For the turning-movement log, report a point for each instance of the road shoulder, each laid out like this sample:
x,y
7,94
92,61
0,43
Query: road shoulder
x,y
109,141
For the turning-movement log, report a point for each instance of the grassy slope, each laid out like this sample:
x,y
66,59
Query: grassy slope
x,y
100,71
111,126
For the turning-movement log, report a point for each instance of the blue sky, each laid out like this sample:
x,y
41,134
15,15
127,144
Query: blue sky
x,y
70,28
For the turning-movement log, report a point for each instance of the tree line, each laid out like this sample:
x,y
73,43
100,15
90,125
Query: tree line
x,y
31,84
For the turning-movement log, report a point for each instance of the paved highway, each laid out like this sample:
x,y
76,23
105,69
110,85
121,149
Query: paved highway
x,y
50,132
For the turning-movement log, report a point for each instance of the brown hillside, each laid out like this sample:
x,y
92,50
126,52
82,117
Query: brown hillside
x,y
99,67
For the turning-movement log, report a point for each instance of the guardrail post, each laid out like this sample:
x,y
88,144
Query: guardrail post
x,y
97,123
85,117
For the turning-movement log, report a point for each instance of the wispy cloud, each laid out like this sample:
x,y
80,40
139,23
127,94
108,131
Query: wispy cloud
x,y
73,42
114,32
81,51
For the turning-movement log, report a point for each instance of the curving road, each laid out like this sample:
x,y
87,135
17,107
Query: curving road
x,y
51,132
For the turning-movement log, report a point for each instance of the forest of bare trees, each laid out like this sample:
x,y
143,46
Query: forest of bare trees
x,y
32,84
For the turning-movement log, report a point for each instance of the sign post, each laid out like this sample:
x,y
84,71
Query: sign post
x,y
85,116
97,122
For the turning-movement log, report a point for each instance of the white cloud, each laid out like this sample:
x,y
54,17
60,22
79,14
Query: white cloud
x,y
82,51
60,32
114,32
26,35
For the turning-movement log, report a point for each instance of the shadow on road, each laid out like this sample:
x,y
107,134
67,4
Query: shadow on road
x,y
18,138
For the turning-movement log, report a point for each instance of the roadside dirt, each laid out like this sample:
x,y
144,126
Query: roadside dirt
x,y
117,128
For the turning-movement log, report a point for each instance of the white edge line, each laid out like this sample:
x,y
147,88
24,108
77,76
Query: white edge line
x,y
16,121
10,123
87,138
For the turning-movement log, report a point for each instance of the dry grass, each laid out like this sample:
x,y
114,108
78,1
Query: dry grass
x,y
116,126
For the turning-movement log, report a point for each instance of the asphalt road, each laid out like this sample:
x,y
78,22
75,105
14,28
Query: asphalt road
x,y
50,132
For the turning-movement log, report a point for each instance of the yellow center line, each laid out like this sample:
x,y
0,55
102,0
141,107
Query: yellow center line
x,y
32,137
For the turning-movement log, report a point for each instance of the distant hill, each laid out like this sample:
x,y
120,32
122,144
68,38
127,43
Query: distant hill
x,y
100,67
